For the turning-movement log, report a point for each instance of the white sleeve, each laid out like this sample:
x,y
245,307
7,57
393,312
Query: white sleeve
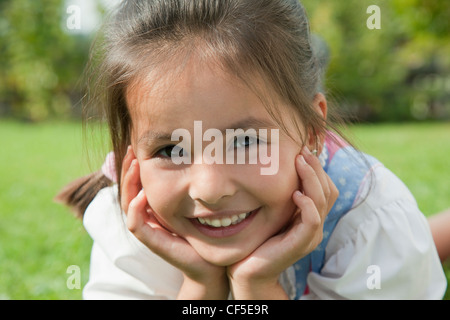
x,y
382,249
121,266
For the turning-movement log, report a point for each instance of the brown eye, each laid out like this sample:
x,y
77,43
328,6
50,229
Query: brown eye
x,y
170,151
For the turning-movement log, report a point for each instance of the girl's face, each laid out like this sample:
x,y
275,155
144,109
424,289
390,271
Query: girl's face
x,y
225,211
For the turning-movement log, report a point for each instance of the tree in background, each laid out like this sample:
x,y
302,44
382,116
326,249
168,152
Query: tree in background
x,y
398,72
41,62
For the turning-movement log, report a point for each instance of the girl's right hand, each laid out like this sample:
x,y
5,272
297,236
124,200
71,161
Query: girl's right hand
x,y
202,280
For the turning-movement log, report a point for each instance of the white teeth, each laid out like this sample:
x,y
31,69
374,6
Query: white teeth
x,y
215,223
224,222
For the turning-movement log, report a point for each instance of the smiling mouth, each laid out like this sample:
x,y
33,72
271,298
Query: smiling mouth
x,y
225,226
224,222
215,222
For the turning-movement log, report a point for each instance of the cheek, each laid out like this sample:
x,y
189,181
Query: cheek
x,y
282,184
278,190
159,190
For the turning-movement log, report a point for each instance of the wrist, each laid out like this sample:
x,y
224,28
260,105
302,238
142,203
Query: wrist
x,y
205,289
258,290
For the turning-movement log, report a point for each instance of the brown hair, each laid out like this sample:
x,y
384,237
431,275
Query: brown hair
x,y
267,39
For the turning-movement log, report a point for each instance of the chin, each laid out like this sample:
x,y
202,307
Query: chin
x,y
224,257
223,261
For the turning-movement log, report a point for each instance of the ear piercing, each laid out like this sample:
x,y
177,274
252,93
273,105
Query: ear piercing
x,y
315,151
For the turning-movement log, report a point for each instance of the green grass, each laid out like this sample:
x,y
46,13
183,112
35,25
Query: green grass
x,y
419,154
39,239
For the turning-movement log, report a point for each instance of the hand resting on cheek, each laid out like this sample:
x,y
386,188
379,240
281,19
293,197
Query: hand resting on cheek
x,y
254,277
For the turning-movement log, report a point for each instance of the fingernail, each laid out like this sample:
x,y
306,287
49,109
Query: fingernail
x,y
302,159
306,150
298,193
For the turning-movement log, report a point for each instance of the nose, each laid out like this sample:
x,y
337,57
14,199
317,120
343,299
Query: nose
x,y
210,183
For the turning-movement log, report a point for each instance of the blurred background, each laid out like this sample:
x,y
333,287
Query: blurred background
x,y
392,81
397,73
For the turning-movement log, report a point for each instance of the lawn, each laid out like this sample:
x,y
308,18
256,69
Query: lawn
x,y
40,240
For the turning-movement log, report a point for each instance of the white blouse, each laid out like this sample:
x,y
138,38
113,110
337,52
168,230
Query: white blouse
x,y
381,249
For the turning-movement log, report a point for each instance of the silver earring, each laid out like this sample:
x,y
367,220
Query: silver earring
x,y
315,151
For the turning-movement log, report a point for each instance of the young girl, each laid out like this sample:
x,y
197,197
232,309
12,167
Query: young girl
x,y
327,223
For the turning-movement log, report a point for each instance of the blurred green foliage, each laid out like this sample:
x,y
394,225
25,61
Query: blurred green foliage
x,y
41,62
398,72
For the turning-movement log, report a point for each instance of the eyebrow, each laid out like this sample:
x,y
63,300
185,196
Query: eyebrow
x,y
151,136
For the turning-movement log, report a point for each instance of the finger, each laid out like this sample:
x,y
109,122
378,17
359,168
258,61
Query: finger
x,y
330,190
301,238
334,193
137,214
308,224
131,185
311,185
307,210
126,162
314,162
143,224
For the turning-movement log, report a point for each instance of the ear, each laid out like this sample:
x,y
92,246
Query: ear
x,y
316,138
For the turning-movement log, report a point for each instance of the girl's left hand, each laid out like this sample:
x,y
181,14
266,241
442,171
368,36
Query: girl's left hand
x,y
256,277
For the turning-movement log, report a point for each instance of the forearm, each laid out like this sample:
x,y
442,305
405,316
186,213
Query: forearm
x,y
440,224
